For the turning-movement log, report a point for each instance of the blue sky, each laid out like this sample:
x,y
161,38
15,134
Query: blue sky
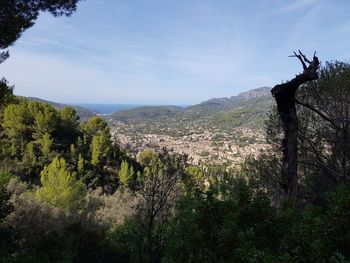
x,y
173,51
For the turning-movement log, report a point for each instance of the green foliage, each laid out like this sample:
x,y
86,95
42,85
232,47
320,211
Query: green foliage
x,y
100,148
151,163
6,95
67,131
263,174
46,144
126,174
95,125
81,164
244,227
5,177
45,119
28,122
38,236
29,157
60,187
195,179
322,233
124,241
17,122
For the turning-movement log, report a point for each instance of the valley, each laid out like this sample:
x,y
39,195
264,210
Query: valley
x,y
218,131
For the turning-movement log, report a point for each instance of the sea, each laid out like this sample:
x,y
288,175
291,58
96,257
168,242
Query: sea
x,y
107,108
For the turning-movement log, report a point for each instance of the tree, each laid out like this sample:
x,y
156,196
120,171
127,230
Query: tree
x,y
325,134
46,143
6,95
27,122
60,187
195,179
323,109
17,15
29,156
126,173
158,189
151,162
100,148
285,98
45,118
68,127
17,125
81,164
95,125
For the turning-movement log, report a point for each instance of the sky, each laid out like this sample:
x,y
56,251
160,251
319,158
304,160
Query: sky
x,y
177,52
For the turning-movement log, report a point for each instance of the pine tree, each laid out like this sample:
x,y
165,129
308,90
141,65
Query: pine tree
x,y
46,143
29,154
81,164
60,187
126,173
73,153
100,147
45,118
95,125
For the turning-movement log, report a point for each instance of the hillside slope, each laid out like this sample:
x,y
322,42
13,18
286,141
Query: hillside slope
x,y
246,109
82,112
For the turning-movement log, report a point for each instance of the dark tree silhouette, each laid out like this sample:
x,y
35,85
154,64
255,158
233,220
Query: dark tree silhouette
x,y
18,15
285,98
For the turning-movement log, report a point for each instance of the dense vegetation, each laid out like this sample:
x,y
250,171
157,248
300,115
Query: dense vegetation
x,y
68,193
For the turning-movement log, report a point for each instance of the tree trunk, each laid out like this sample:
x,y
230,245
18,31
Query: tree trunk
x,y
285,98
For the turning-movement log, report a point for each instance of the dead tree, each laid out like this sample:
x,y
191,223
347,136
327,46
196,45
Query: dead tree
x,y
285,98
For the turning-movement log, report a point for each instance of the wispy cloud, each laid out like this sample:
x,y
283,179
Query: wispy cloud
x,y
298,5
167,52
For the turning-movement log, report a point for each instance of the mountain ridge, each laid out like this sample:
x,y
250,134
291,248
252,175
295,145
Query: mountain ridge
x,y
209,107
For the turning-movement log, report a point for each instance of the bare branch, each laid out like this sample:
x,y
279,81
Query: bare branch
x,y
304,57
300,58
321,114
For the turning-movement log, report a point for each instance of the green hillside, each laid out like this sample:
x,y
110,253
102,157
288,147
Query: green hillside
x,y
147,112
82,112
246,109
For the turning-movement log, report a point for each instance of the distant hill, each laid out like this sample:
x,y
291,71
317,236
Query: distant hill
x,y
147,112
247,108
82,112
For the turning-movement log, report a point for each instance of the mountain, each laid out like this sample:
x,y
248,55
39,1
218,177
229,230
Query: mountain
x,y
82,112
248,107
254,93
219,104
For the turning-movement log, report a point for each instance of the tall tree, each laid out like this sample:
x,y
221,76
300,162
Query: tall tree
x,y
95,125
324,135
285,98
126,173
60,187
6,93
158,190
18,15
100,148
